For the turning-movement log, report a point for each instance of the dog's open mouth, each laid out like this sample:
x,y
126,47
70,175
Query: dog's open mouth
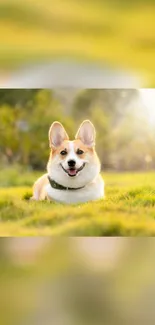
x,y
73,171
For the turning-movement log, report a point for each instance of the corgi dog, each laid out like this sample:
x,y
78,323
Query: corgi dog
x,y
73,170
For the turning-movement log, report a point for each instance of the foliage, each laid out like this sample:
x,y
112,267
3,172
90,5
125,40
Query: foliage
x,y
122,141
24,126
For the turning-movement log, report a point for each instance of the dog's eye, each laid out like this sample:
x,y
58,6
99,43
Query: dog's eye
x,y
79,152
63,152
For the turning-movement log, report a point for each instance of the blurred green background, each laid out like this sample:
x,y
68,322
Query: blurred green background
x,y
124,121
116,33
77,281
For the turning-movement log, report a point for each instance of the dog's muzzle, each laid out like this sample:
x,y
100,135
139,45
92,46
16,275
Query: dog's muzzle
x,y
72,171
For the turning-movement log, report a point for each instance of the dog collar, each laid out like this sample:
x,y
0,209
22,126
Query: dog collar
x,y
57,186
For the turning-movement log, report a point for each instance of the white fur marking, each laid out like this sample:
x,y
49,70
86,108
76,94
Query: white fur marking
x,y
71,154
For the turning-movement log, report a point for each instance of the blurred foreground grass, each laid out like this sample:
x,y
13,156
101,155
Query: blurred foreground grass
x,y
106,32
127,210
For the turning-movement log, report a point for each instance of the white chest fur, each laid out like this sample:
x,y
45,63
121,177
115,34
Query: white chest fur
x,y
92,191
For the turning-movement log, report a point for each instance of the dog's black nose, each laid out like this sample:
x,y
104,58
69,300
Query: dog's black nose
x,y
71,163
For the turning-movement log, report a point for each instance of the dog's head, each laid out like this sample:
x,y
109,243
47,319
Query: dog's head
x,y
73,163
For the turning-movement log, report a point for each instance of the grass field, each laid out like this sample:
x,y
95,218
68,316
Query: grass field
x,y
127,210
91,31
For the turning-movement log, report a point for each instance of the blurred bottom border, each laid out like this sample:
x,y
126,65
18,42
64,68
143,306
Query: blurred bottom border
x,y
77,280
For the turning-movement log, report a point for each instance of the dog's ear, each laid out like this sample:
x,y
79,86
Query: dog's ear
x,y
86,133
57,134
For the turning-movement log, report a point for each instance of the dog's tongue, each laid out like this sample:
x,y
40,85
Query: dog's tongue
x,y
72,172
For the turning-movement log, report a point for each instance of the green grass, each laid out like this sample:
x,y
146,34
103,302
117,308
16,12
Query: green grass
x,y
127,210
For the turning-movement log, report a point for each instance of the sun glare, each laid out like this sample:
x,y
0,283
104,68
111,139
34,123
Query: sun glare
x,y
147,97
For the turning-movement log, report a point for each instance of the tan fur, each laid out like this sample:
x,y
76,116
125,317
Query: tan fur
x,y
77,145
56,151
38,188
